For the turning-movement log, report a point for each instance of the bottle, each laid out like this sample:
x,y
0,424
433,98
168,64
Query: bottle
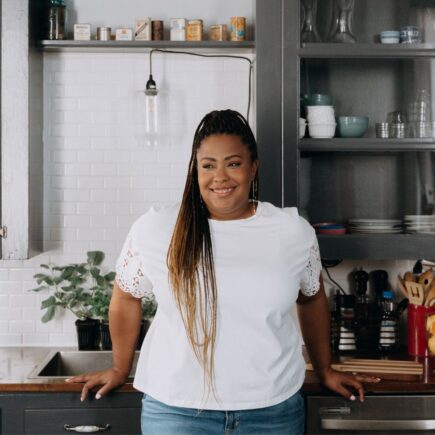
x,y
151,113
56,20
388,331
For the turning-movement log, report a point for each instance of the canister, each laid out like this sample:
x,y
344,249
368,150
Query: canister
x,y
409,35
178,29
157,30
104,33
194,30
142,30
218,32
82,32
238,28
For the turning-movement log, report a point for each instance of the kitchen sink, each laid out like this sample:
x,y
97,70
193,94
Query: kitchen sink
x,y
63,364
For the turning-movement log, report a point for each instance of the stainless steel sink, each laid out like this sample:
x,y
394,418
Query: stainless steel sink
x,y
63,364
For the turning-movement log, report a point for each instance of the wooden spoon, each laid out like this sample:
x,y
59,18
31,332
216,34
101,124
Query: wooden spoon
x,y
401,285
430,295
415,293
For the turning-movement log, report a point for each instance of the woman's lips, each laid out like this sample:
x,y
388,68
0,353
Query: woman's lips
x,y
223,191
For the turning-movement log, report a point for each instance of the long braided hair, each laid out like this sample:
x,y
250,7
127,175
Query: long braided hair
x,y
190,254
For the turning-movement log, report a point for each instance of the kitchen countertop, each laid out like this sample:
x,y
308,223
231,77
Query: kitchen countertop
x,y
17,362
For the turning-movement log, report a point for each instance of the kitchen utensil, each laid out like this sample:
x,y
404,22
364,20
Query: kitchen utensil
x,y
401,286
430,294
425,279
409,277
415,292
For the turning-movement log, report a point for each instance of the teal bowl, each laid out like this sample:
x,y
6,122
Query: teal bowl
x,y
317,100
352,126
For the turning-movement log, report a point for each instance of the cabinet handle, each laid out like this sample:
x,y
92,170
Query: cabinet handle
x,y
377,425
86,429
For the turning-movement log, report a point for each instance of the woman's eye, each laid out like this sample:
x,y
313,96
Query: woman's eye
x,y
234,164
207,166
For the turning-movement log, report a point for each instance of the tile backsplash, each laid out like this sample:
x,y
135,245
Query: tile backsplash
x,y
99,177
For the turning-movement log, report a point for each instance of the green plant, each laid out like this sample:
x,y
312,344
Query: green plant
x,y
149,307
80,288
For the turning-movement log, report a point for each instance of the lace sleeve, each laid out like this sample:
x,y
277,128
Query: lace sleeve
x,y
130,275
310,283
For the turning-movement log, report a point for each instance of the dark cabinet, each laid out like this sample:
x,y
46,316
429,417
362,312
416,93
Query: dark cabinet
x,y
48,413
339,179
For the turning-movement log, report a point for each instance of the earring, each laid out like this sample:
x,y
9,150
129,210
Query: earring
x,y
254,190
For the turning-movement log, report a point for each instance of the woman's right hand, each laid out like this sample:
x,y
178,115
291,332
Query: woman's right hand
x,y
107,379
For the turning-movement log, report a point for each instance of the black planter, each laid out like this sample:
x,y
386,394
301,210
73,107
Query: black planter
x,y
88,334
106,341
145,324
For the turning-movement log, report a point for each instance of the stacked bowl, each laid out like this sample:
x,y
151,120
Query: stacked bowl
x,y
321,121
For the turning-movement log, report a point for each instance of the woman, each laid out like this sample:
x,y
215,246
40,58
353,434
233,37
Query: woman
x,y
223,354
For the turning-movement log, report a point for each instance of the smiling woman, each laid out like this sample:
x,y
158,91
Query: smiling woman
x,y
226,172
223,353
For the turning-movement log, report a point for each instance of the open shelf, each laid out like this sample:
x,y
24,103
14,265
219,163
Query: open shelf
x,y
93,45
376,247
366,145
369,51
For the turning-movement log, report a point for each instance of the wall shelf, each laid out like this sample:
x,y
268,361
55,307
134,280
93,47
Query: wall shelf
x,y
376,247
366,145
93,45
369,51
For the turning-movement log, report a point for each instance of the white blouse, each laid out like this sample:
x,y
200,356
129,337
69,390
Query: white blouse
x,y
261,263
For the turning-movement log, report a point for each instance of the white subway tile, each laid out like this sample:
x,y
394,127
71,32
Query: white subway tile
x,y
95,210
65,339
63,207
26,300
78,90
105,117
130,169
63,234
22,326
116,156
103,195
92,130
20,274
76,195
65,77
4,326
63,104
110,169
93,182
117,182
64,130
10,340
131,195
78,143
103,222
76,221
4,300
64,182
90,156
10,313
77,117
39,339
77,169
116,209
84,234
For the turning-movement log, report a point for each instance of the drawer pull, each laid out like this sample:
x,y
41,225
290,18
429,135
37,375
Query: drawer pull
x,y
86,429
377,425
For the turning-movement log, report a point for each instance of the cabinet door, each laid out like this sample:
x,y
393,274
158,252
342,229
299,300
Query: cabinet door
x,y
120,421
21,132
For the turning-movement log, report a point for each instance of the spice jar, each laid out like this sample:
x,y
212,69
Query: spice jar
x,y
194,30
56,20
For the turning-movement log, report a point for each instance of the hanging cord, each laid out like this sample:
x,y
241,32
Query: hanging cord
x,y
210,55
334,282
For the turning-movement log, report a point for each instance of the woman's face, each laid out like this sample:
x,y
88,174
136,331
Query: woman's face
x,y
225,173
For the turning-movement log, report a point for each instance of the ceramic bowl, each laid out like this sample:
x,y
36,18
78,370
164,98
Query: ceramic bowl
x,y
390,37
317,100
352,126
302,127
321,131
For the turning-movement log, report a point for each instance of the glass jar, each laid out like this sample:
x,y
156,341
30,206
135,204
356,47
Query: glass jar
x,y
341,30
56,20
309,31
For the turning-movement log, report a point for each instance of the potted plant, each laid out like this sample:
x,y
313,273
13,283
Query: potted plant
x,y
101,304
149,308
78,288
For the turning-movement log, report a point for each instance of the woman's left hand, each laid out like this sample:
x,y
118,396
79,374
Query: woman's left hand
x,y
340,382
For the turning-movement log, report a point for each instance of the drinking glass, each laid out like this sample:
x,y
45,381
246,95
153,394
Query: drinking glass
x,y
309,31
341,30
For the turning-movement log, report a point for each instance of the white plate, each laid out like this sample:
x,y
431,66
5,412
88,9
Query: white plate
x,y
375,221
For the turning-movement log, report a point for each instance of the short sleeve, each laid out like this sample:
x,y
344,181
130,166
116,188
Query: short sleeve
x,y
130,274
310,283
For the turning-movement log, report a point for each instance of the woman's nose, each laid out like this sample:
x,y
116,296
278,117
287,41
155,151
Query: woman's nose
x,y
220,174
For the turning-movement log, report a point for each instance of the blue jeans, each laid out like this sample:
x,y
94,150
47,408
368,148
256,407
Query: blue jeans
x,y
286,418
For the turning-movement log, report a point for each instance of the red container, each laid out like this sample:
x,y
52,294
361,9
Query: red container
x,y
417,334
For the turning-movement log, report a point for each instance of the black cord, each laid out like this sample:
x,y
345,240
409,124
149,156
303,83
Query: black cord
x,y
210,55
336,283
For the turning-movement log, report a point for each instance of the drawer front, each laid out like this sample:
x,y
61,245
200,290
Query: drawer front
x,y
51,422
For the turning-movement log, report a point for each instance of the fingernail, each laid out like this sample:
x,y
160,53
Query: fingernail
x,y
67,380
352,397
98,396
361,400
81,399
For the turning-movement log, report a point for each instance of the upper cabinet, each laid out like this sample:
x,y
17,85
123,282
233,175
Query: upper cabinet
x,y
378,181
21,132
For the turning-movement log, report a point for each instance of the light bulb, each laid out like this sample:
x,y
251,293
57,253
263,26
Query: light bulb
x,y
151,113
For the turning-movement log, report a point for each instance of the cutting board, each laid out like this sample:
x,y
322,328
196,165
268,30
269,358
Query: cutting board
x,y
395,370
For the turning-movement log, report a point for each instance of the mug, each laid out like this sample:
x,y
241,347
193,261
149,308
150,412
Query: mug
x,y
417,334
